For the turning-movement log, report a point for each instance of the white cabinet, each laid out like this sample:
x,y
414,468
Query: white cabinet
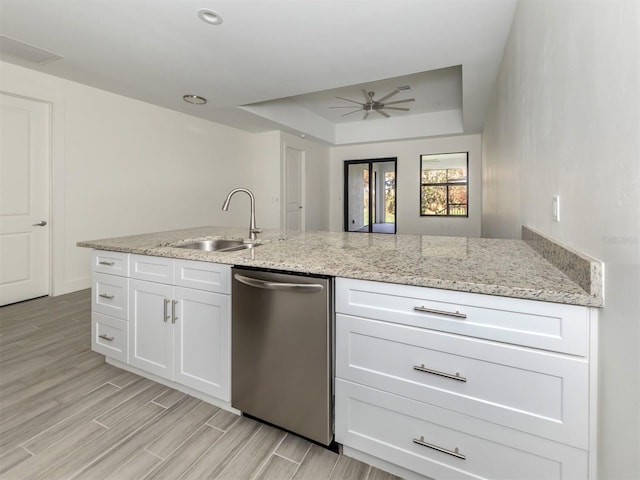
x,y
458,385
167,317
150,333
110,304
181,334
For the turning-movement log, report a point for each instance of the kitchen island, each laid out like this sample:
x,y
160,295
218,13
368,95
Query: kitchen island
x,y
454,357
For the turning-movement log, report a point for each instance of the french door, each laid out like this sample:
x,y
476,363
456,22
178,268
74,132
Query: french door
x,y
370,195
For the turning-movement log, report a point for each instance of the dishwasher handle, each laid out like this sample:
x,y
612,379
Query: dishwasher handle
x,y
287,287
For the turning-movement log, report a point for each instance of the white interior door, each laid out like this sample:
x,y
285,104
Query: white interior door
x,y
293,189
24,199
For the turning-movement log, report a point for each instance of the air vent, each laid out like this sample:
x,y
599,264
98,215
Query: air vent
x,y
18,50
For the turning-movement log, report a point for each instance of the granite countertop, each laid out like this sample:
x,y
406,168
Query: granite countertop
x,y
509,268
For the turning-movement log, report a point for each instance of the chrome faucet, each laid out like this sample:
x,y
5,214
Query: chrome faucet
x,y
253,230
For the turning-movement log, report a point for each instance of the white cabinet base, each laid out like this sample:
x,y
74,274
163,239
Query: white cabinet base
x,y
176,386
439,384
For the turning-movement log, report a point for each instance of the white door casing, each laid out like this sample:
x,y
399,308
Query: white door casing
x,y
25,152
293,189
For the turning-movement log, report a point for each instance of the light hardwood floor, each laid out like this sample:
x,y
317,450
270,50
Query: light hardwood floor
x,y
65,413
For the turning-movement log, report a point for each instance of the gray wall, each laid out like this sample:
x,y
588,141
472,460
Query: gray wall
x,y
565,120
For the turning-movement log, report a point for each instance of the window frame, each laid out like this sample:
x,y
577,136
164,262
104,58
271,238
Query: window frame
x,y
444,184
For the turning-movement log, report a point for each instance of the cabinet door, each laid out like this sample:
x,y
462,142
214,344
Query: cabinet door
x,y
150,334
202,341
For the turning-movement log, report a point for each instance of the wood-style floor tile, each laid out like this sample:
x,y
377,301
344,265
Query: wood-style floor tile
x,y
187,454
136,468
70,424
277,468
11,458
377,474
318,463
254,454
100,445
126,449
294,448
33,466
180,431
66,414
220,455
349,469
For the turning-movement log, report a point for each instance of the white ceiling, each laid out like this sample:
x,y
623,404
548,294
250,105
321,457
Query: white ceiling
x,y
278,64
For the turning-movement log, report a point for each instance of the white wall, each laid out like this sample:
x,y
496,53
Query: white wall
x,y
264,181
122,167
565,119
408,219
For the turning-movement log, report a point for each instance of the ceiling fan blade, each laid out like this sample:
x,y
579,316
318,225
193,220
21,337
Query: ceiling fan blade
x,y
366,114
388,96
401,101
397,108
348,100
344,106
367,98
383,113
350,113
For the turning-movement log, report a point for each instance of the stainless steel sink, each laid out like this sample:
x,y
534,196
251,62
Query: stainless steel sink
x,y
218,245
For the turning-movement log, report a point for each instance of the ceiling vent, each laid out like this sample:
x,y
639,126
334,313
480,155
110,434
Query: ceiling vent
x,y
18,50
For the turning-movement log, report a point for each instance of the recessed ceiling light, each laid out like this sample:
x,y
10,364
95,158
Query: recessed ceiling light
x,y
195,99
209,16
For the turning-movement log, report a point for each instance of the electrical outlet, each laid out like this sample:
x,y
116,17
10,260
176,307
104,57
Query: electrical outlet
x,y
556,208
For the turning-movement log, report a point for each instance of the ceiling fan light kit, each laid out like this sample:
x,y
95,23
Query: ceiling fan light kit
x,y
372,105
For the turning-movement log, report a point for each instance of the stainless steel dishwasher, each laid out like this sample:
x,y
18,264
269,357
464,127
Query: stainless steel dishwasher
x,y
282,350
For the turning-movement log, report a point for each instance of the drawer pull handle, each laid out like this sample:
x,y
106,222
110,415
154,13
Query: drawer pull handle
x,y
173,311
166,309
454,453
107,296
104,336
422,368
456,314
104,262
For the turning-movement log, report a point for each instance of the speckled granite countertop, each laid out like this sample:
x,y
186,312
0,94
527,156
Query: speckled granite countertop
x,y
509,268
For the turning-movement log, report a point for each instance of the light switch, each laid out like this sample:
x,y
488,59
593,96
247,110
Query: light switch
x,y
556,208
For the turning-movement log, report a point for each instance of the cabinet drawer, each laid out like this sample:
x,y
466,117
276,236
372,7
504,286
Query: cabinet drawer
x,y
544,325
114,263
385,425
110,295
152,269
528,390
211,277
109,336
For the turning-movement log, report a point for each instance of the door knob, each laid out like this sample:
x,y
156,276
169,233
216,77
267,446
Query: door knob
x,y
41,223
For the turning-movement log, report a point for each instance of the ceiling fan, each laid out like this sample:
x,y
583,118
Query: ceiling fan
x,y
371,105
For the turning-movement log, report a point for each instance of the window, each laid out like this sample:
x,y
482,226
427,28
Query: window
x,y
444,185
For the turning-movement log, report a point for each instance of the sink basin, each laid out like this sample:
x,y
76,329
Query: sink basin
x,y
218,245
